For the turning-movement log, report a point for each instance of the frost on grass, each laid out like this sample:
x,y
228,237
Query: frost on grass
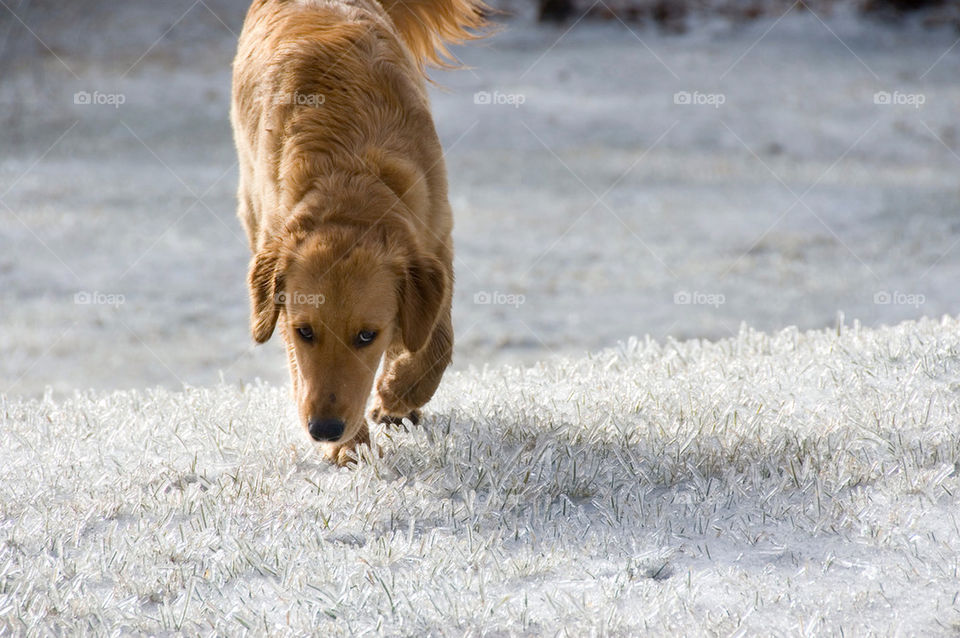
x,y
797,482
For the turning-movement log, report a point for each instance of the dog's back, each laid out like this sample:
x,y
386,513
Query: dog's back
x,y
323,82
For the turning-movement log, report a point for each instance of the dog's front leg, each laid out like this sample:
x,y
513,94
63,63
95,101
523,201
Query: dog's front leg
x,y
410,379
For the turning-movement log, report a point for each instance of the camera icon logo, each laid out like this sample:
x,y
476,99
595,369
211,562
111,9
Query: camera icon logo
x,y
280,298
881,97
82,97
482,298
682,298
482,97
881,298
682,97
82,298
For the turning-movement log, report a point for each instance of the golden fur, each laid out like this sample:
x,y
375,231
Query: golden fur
x,y
343,195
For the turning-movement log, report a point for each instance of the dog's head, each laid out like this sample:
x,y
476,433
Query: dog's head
x,y
342,296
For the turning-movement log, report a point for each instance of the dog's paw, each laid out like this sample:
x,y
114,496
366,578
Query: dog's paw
x,y
379,415
339,454
347,455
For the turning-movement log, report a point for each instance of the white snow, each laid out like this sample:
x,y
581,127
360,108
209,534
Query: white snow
x,y
777,484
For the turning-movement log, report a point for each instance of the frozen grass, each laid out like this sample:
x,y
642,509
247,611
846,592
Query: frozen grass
x,y
794,483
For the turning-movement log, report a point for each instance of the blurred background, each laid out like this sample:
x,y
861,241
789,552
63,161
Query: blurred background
x,y
617,168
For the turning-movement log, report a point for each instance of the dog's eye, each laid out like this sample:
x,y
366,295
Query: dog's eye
x,y
306,333
364,338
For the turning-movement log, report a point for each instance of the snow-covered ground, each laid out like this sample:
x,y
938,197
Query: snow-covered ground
x,y
774,484
590,206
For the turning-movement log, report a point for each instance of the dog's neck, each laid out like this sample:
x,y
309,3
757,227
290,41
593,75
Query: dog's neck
x,y
361,202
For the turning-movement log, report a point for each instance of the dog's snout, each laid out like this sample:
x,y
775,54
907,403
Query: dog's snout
x,y
326,429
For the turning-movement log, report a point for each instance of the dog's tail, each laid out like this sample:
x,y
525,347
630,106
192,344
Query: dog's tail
x,y
428,26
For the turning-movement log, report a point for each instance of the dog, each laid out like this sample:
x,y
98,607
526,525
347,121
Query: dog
x,y
343,196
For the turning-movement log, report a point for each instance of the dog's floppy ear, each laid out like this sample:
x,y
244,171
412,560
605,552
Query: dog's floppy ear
x,y
266,289
421,299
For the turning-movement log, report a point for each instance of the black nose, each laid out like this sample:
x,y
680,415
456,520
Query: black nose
x,y
326,429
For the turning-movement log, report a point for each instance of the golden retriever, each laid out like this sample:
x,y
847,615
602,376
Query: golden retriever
x,y
343,195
